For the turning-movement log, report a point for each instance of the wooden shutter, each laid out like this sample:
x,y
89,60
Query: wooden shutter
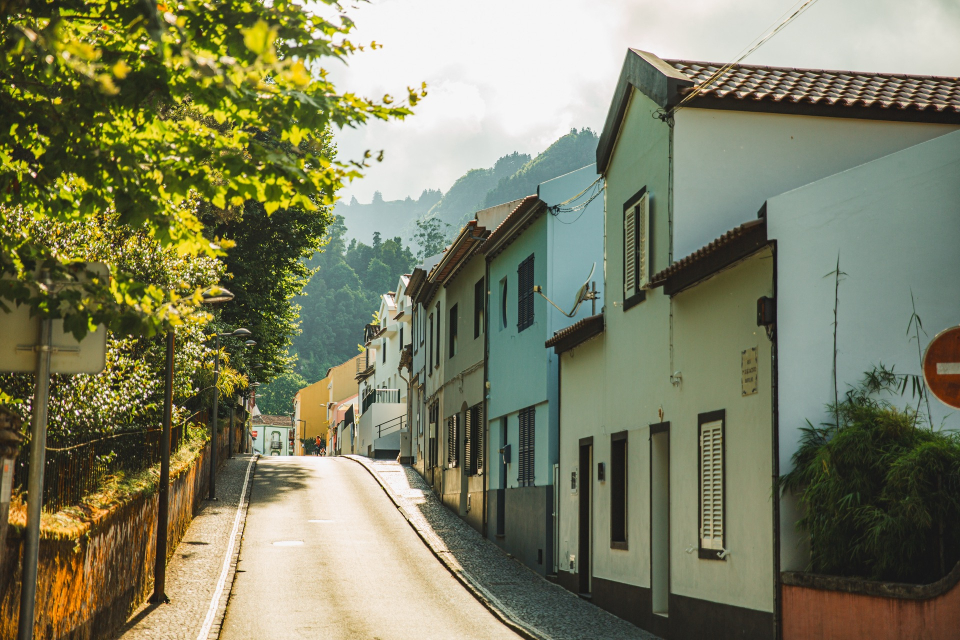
x,y
525,294
478,441
643,241
526,454
711,485
452,441
629,252
468,441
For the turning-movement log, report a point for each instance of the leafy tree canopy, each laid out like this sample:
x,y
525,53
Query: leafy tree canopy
x,y
141,111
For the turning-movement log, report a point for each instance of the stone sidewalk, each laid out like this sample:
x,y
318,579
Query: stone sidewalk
x,y
198,574
520,597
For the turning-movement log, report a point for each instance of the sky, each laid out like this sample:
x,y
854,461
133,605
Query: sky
x,y
514,75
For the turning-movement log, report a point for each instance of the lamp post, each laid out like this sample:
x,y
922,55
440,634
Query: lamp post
x,y
236,333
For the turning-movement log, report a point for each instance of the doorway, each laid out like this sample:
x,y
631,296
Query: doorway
x,y
585,489
660,517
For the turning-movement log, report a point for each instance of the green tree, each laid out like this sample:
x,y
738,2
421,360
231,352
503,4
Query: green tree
x,y
431,236
144,110
276,398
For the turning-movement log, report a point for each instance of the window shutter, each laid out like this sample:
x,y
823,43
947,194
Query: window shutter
x,y
525,294
643,248
468,441
629,252
452,441
522,450
711,485
478,441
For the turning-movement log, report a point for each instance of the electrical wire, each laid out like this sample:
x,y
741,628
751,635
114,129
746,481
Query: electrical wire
x,y
557,209
789,16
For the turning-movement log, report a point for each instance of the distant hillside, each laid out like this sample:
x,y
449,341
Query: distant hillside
x,y
512,176
392,218
573,151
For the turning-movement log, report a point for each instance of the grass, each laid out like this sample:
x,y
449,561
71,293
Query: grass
x,y
118,490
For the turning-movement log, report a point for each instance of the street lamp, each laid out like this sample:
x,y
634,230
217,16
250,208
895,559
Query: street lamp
x,y
236,333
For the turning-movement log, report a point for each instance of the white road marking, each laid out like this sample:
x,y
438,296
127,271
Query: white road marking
x,y
948,368
215,602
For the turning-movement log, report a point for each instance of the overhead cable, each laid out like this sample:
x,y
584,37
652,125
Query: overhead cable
x,y
789,16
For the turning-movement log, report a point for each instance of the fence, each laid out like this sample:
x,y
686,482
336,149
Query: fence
x,y
76,467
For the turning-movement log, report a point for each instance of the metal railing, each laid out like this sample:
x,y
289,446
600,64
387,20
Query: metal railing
x,y
380,395
390,426
78,466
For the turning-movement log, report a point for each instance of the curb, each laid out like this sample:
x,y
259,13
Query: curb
x,y
471,584
224,599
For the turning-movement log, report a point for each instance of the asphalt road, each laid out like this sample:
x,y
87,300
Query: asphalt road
x,y
326,554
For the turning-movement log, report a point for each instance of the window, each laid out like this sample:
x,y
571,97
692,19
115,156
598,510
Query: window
x,y
433,418
437,362
711,484
383,347
401,338
479,296
637,257
525,294
618,490
525,454
503,304
422,328
453,428
473,443
452,330
430,348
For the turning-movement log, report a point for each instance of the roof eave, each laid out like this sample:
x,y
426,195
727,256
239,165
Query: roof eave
x,y
648,74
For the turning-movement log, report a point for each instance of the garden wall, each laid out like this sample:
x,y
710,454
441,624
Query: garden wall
x,y
88,586
833,608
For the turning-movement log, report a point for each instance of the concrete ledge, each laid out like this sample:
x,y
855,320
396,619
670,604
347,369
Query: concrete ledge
x,y
879,589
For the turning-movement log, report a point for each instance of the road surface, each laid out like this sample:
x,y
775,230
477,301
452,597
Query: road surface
x,y
326,554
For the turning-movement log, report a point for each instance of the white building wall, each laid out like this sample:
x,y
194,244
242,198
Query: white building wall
x,y
894,225
728,163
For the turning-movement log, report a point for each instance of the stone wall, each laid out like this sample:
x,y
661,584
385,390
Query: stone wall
x,y
88,586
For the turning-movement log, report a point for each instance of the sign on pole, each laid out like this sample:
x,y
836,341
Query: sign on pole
x,y
941,367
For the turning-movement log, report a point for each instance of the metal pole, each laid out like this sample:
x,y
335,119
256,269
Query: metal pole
x,y
213,423
160,564
38,446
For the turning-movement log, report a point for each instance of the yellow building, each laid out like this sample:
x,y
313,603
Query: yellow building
x,y
314,405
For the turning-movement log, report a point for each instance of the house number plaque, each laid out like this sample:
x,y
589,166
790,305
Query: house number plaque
x,y
748,371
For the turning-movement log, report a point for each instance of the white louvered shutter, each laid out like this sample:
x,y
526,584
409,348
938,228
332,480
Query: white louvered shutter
x,y
643,243
479,443
468,441
629,253
711,485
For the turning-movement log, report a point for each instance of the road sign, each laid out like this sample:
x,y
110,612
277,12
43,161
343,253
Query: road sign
x,y
941,367
18,339
254,434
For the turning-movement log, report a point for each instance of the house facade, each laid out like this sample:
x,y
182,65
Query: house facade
x,y
670,406
554,242
310,410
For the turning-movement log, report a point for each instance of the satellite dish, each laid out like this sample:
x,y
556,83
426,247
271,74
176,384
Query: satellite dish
x,y
582,292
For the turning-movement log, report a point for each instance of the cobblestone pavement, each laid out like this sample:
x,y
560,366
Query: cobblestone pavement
x,y
539,608
196,568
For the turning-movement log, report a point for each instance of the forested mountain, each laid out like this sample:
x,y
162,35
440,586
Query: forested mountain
x,y
391,218
342,296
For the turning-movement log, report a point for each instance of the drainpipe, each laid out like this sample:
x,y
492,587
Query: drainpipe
x,y
486,394
777,591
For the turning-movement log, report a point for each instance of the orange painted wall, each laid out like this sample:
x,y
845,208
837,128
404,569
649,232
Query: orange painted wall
x,y
836,615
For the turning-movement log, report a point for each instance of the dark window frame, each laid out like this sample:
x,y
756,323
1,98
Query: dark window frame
x,y
525,306
619,490
504,321
430,349
439,333
452,325
479,300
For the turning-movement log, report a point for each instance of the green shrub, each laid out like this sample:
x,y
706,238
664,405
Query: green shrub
x,y
879,490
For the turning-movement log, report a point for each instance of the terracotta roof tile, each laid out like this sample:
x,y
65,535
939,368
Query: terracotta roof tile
x,y
576,334
832,88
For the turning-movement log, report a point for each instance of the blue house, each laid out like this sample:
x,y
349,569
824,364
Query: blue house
x,y
538,259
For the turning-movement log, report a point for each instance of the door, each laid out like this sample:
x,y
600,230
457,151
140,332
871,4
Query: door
x,y
660,517
585,488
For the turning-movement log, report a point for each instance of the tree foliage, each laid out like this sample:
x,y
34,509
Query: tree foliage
x,y
339,298
880,490
142,110
276,398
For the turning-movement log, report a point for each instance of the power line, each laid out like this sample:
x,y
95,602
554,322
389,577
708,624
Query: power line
x,y
789,16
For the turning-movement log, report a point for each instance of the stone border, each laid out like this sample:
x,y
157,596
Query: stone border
x,y
898,590
231,575
471,584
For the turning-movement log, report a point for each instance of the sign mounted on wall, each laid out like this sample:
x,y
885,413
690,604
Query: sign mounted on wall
x,y
941,367
748,371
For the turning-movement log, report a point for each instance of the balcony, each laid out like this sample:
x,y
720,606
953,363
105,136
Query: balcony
x,y
389,396
366,364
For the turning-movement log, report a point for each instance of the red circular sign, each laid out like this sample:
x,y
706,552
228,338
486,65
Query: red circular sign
x,y
941,367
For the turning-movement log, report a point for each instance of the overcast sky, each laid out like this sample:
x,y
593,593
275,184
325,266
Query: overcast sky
x,y
514,75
